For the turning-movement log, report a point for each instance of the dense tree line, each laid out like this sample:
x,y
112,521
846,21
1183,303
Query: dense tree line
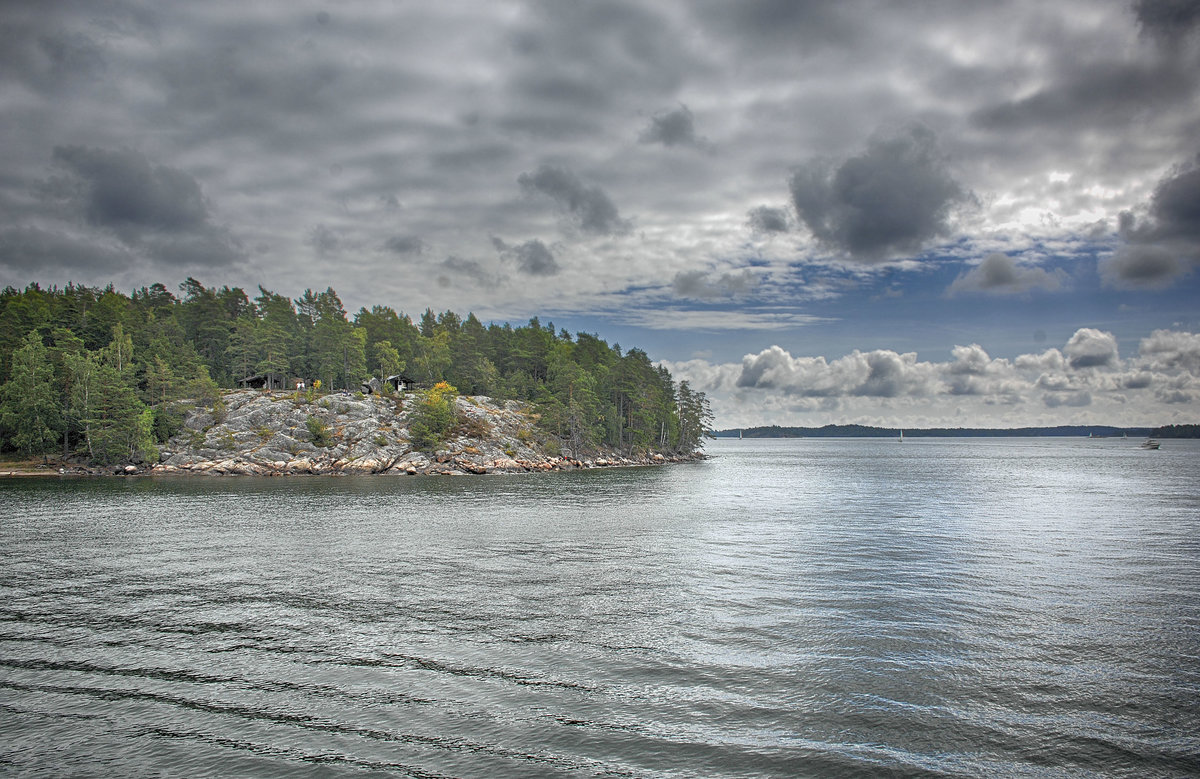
x,y
98,373
1177,431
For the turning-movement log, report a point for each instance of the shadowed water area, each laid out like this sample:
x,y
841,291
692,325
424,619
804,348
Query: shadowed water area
x,y
940,607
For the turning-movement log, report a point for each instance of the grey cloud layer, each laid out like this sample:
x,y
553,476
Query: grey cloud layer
x,y
705,153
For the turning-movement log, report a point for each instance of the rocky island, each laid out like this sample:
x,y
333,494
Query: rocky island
x,y
214,382
282,433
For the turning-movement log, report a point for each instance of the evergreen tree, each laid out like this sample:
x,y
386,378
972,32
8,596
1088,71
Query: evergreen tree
x,y
66,348
29,405
695,418
573,407
117,425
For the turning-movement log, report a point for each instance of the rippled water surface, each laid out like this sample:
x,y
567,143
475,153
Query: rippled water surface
x,y
787,608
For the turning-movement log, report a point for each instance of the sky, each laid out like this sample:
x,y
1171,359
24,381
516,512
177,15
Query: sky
x,y
943,213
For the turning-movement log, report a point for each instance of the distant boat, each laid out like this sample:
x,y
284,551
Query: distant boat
x,y
1150,443
901,436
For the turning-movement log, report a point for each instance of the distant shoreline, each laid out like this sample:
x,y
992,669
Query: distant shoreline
x,y
866,431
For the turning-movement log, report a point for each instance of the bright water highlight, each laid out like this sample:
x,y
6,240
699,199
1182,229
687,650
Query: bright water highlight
x,y
941,607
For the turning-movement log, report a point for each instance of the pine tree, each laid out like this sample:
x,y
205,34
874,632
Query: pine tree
x,y
29,401
118,426
695,418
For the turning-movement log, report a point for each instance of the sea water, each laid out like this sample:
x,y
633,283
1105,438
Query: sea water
x,y
820,607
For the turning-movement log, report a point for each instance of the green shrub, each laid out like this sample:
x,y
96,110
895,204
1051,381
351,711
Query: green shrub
x,y
318,431
168,421
433,417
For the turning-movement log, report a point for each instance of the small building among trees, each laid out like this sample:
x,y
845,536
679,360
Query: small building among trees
x,y
399,382
264,381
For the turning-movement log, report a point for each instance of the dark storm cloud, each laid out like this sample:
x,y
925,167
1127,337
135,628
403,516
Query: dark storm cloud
x,y
766,219
1148,266
157,210
1175,206
674,128
1169,20
404,244
892,199
1166,243
535,259
122,189
590,208
1001,274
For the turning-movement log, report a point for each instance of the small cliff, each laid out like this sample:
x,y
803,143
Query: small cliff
x,y
279,433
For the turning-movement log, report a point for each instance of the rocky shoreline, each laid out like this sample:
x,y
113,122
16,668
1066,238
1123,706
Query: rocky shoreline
x,y
261,433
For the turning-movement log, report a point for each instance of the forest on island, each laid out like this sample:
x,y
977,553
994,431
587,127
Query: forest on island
x,y
101,375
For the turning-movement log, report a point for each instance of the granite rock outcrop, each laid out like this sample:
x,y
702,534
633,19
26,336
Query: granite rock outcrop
x,y
283,433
